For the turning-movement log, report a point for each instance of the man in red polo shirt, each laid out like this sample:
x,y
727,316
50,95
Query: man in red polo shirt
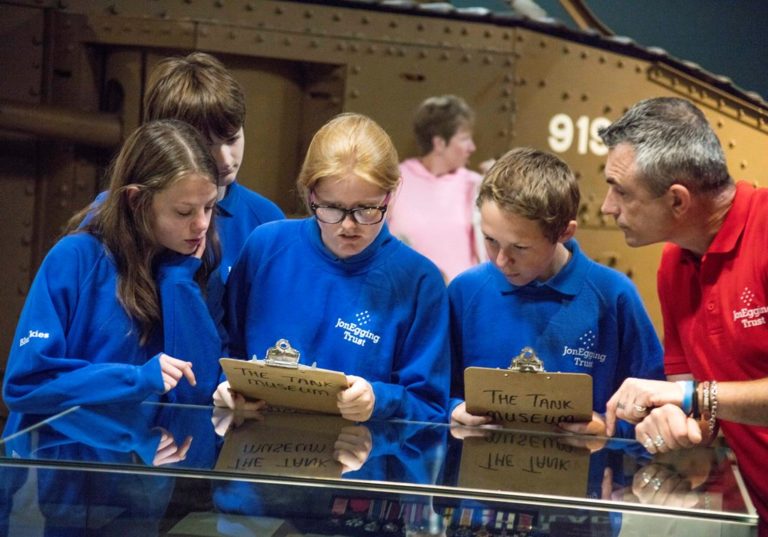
x,y
668,182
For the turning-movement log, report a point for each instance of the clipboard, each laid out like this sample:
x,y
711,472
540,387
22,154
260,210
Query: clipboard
x,y
524,462
526,396
282,381
283,443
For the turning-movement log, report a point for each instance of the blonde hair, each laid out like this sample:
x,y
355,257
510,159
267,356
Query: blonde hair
x,y
153,158
198,90
350,144
535,185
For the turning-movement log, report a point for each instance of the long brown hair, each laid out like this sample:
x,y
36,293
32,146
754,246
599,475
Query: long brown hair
x,y
154,157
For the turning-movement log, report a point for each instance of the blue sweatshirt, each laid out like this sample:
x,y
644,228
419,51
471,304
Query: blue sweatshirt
x,y
75,344
381,314
237,215
588,318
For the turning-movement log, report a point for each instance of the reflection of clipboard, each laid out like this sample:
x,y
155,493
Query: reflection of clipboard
x,y
280,380
283,444
523,462
525,396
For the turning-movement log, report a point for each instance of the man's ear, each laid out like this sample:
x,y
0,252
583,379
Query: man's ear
x,y
570,231
131,194
679,199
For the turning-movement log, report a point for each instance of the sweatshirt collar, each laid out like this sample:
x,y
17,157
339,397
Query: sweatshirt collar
x,y
353,264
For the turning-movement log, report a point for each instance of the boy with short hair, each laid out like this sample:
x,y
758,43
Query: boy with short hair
x,y
199,90
539,290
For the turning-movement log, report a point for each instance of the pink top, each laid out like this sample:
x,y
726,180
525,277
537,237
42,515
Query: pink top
x,y
434,215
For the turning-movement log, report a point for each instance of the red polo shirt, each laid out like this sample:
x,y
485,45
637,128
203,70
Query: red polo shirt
x,y
715,311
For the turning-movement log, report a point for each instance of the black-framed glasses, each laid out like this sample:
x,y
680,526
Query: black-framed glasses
x,y
366,216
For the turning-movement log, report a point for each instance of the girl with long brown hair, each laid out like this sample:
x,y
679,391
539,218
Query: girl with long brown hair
x,y
117,312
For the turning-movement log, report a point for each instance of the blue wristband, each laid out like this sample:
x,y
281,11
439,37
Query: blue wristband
x,y
687,386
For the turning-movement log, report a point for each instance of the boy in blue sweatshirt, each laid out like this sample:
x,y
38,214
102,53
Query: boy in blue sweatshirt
x,y
345,292
199,90
539,290
116,312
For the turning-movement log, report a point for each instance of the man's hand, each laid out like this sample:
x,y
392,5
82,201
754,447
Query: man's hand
x,y
636,397
667,428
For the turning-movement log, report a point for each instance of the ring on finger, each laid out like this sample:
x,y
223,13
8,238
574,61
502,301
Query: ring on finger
x,y
658,441
656,483
646,477
640,409
648,442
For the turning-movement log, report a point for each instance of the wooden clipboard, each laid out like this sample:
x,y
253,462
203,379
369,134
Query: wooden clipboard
x,y
283,443
524,462
281,381
527,397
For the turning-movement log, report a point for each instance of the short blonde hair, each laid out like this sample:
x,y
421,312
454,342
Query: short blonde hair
x,y
535,185
350,144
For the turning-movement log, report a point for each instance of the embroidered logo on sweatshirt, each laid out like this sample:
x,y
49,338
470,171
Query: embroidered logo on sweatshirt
x,y
584,354
33,334
750,315
355,331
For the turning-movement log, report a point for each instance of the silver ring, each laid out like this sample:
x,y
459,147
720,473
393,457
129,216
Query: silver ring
x,y
648,442
658,441
656,483
640,409
646,478
620,406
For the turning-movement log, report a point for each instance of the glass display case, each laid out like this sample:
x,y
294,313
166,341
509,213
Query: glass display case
x,y
156,469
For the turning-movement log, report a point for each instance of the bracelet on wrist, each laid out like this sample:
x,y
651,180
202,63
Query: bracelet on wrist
x,y
687,387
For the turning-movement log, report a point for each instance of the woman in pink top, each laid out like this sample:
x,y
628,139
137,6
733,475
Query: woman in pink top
x,y
434,208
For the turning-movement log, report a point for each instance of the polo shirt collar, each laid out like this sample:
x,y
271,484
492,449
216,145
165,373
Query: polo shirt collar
x,y
228,203
567,282
733,225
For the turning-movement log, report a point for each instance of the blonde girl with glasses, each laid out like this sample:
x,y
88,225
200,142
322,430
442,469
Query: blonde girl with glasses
x,y
344,291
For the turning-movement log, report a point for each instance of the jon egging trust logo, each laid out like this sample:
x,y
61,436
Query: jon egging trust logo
x,y
750,315
354,332
583,354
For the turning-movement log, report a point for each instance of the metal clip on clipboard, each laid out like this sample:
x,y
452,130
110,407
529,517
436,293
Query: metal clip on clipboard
x,y
527,362
283,355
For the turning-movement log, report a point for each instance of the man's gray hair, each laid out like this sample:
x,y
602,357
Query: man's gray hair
x,y
673,143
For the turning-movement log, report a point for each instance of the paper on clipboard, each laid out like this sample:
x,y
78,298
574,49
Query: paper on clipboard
x,y
281,381
539,463
283,443
528,397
